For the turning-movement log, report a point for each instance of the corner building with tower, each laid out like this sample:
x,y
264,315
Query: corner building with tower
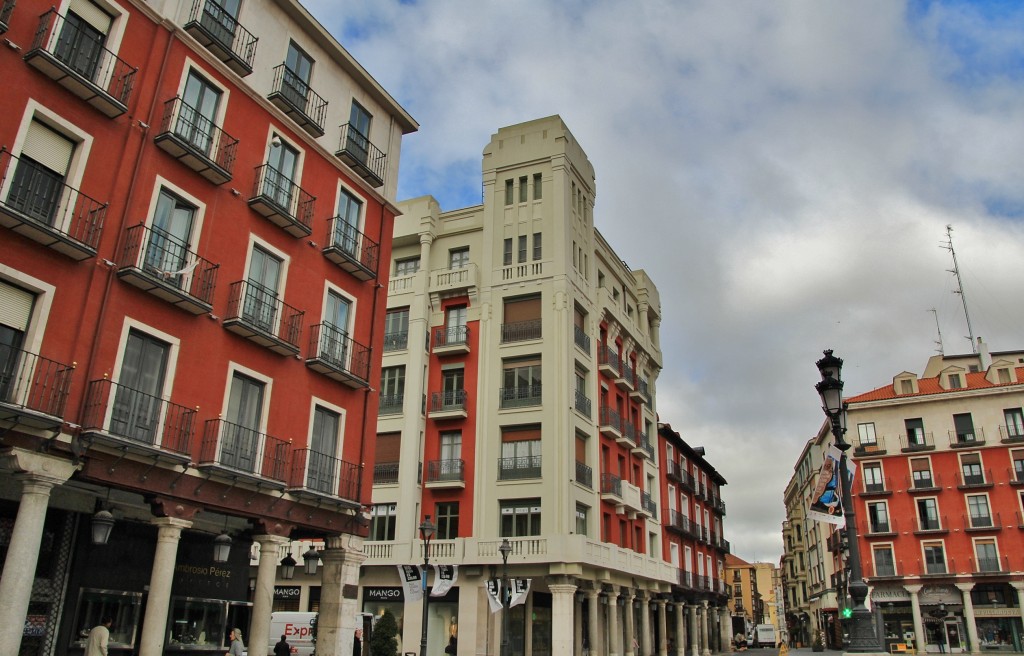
x,y
517,401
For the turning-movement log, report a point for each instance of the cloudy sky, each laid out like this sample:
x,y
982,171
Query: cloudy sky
x,y
784,170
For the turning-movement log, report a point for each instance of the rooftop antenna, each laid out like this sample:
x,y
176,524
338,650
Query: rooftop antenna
x,y
938,342
960,286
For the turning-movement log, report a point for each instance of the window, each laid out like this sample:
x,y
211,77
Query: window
x,y
297,72
987,555
507,256
1014,419
581,519
522,248
522,189
260,304
407,266
520,518
82,39
509,192
137,402
928,514
396,329
522,319
382,522
37,188
321,474
878,517
970,467
458,258
521,383
520,453
884,564
536,245
537,186
170,235
867,434
447,520
197,116
977,507
922,473
964,426
1018,465
955,382
873,481
451,446
240,439
934,558
346,224
279,180
915,432
906,387
392,389
359,132
334,332
455,324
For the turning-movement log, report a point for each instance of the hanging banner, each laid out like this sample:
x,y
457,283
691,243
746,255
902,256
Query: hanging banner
x,y
494,595
412,581
826,499
520,590
445,577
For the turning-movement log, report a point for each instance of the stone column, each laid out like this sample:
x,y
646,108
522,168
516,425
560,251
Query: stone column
x,y
645,626
158,601
263,594
972,626
593,599
1019,587
704,627
563,620
694,635
725,629
614,632
662,627
38,473
680,630
629,649
336,627
528,630
920,638
577,605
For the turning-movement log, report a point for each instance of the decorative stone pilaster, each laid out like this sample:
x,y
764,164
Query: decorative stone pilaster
x,y
920,637
263,593
680,629
645,626
562,617
158,601
593,636
704,628
972,625
336,626
662,627
694,635
614,633
629,649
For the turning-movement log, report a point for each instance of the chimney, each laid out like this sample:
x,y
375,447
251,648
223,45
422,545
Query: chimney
x,y
986,359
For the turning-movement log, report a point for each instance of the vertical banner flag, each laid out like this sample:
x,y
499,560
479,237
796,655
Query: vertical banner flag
x,y
412,581
826,498
445,577
494,595
520,591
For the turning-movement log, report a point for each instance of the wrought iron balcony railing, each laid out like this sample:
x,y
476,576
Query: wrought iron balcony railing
x,y
396,341
236,449
333,353
157,262
446,471
294,97
584,475
520,397
608,358
967,439
448,336
385,473
519,331
582,403
350,249
214,27
518,468
448,401
319,473
282,202
390,404
33,384
196,141
611,484
581,338
255,312
5,14
134,417
355,149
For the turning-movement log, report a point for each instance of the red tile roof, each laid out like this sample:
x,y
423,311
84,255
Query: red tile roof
x,y
926,386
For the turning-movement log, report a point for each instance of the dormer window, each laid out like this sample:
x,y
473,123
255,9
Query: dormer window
x,y
955,381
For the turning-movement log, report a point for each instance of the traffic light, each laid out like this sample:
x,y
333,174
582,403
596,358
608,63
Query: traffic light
x,y
847,613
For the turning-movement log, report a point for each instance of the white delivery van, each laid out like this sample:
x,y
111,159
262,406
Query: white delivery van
x,y
764,636
297,629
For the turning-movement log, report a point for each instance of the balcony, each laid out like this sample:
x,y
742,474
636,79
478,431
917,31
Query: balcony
x,y
581,338
385,473
390,404
686,479
919,441
643,446
218,31
33,389
611,488
368,161
878,528
520,331
282,202
608,361
396,341
159,264
237,452
967,439
930,483
628,438
351,250
986,522
137,422
673,471
39,206
582,404
339,357
519,397
321,476
255,312
457,281
5,14
647,503
979,479
610,423
195,141
77,61
877,488
518,468
450,340
1011,434
626,379
584,475
293,96
449,404
643,390
869,447
990,565
447,473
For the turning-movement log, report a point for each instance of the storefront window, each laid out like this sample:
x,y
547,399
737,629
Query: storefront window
x,y
196,623
122,607
999,633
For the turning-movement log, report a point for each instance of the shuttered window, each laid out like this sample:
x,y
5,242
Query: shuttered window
x,y
520,433
48,147
522,309
92,14
389,446
15,307
581,449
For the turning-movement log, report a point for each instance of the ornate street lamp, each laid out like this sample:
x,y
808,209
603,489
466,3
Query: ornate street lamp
x,y
288,567
102,525
506,596
312,559
830,388
426,533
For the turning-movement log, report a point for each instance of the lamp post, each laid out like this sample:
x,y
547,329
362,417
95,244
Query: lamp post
x,y
426,533
506,597
830,388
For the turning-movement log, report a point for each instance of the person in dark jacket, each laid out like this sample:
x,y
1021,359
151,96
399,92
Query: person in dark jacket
x,y
282,648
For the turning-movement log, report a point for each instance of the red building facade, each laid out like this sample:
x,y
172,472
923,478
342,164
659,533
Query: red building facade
x,y
191,312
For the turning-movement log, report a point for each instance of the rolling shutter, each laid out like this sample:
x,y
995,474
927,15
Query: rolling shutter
x,y
15,307
91,14
48,147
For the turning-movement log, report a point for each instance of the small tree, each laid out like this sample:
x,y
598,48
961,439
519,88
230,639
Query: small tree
x,y
384,641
